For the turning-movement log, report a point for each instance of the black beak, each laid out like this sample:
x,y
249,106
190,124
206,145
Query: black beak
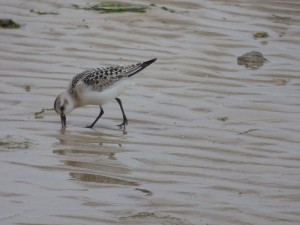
x,y
63,121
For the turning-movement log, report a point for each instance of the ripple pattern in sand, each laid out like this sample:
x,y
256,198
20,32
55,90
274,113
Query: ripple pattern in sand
x,y
208,141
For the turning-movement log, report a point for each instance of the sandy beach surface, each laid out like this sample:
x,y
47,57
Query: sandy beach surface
x,y
209,141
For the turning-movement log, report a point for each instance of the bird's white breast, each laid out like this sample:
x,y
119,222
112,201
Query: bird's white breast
x,y
92,97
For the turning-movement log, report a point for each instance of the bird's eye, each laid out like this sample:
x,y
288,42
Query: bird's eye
x,y
62,108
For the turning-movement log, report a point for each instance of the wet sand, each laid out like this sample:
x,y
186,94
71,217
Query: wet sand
x,y
208,141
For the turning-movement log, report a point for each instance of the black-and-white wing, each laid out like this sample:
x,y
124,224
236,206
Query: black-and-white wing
x,y
101,78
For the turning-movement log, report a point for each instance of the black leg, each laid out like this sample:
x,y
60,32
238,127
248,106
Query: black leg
x,y
125,121
98,117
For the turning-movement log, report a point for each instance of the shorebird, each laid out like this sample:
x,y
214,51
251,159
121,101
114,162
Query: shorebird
x,y
97,87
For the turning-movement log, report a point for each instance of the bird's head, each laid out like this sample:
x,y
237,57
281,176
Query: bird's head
x,y
63,104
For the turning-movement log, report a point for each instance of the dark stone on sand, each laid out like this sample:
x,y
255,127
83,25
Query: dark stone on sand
x,y
252,60
8,23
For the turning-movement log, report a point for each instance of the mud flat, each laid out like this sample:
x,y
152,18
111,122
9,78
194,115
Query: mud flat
x,y
209,141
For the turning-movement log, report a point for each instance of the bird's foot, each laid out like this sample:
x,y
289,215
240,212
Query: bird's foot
x,y
124,123
89,126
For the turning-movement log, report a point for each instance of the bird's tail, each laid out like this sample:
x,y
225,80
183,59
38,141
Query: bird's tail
x,y
141,66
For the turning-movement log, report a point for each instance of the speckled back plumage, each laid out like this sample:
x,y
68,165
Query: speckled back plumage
x,y
101,78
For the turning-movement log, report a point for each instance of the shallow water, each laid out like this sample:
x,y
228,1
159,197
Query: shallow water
x,y
208,141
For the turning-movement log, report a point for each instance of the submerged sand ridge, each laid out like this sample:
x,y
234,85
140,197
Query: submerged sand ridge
x,y
208,141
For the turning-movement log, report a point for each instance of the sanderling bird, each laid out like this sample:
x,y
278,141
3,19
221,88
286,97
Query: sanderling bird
x,y
97,87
